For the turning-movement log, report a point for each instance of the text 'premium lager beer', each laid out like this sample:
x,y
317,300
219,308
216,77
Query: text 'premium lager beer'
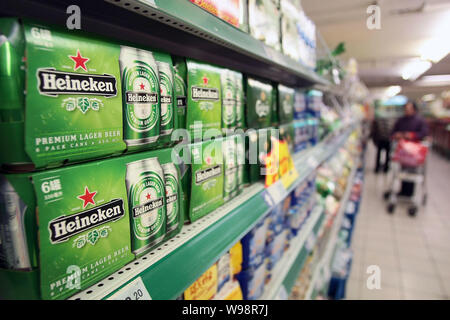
x,y
172,196
167,103
147,202
141,96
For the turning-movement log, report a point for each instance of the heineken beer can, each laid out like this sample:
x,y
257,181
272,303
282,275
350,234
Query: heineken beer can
x,y
230,173
172,196
13,244
147,203
240,161
228,100
141,96
166,91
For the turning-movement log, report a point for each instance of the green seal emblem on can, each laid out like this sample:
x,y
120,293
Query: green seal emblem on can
x,y
146,198
141,103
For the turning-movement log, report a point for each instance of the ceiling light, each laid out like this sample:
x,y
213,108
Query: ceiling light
x,y
435,80
435,50
428,97
392,91
414,69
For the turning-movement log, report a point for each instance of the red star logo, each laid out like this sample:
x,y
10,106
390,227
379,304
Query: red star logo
x,y
205,80
142,86
87,197
80,62
148,196
208,160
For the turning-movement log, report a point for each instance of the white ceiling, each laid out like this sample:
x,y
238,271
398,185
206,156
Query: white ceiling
x,y
406,25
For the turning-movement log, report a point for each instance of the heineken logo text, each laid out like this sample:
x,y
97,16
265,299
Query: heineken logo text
x,y
203,175
147,207
64,227
199,93
53,83
141,97
166,99
172,198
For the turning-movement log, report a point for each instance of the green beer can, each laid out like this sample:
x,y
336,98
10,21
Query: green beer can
x,y
180,88
141,96
228,100
166,91
230,173
147,202
240,112
240,161
172,196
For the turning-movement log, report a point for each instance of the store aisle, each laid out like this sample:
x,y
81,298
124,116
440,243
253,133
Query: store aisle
x,y
413,253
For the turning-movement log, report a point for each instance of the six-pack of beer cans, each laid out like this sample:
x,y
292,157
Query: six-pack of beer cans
x,y
109,148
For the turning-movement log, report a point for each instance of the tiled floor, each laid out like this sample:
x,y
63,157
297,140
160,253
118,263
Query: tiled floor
x,y
413,253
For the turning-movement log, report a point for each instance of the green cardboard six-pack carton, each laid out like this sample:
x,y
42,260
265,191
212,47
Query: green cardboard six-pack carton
x,y
285,104
70,97
73,226
258,103
202,178
204,103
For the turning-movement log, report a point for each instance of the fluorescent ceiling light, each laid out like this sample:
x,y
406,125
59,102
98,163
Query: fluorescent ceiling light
x,y
415,68
435,49
429,97
392,91
434,81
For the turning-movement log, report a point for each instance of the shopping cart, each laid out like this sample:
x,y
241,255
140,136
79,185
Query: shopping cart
x,y
408,165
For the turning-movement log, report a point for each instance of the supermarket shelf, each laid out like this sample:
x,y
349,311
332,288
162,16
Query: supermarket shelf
x,y
176,26
287,265
331,244
201,243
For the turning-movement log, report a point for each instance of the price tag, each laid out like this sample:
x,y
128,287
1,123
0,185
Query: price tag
x,y
277,192
135,290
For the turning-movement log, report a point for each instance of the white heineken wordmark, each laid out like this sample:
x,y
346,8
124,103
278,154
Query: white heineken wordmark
x,y
199,93
54,83
171,198
203,175
147,207
134,97
62,228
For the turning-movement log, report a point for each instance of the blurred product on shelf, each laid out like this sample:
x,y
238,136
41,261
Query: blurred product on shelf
x,y
219,281
264,22
298,34
232,11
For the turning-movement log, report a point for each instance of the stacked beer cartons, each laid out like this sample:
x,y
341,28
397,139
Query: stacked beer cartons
x,y
68,98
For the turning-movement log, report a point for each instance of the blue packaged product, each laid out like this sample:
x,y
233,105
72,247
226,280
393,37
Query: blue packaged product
x,y
314,103
276,221
252,282
253,245
274,252
299,104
